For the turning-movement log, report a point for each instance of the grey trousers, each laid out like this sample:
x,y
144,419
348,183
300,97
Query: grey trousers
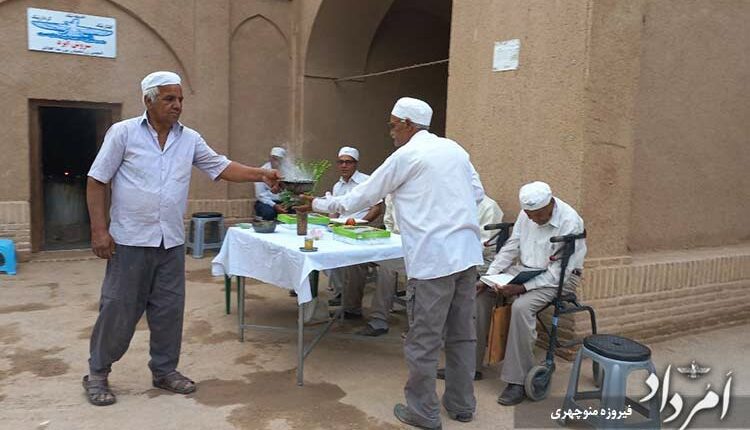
x,y
522,334
352,281
140,279
382,300
441,305
336,279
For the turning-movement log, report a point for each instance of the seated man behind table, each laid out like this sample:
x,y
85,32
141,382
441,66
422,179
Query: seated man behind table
x,y
489,212
267,203
542,217
351,278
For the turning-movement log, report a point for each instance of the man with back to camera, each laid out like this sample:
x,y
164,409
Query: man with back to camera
x,y
148,160
488,212
435,190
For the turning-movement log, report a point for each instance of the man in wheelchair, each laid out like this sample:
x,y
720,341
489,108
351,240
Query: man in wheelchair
x,y
528,248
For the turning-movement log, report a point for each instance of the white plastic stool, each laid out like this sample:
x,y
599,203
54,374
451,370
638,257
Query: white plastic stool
x,y
617,357
196,238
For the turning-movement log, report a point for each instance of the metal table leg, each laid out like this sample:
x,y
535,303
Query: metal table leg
x,y
300,345
241,305
302,350
227,293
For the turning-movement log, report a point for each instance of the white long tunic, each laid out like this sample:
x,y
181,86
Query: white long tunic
x,y
530,244
435,191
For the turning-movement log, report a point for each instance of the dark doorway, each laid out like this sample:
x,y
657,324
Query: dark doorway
x,y
66,142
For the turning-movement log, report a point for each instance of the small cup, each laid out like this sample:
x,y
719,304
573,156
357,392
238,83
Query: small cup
x,y
308,242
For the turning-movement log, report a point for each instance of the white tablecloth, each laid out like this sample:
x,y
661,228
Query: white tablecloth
x,y
275,258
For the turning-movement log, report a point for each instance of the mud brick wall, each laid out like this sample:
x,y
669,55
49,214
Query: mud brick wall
x,y
658,297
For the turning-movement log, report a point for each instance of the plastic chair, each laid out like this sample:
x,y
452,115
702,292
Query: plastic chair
x,y
197,240
7,256
617,356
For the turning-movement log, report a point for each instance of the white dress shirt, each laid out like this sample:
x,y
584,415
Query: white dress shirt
x,y
263,191
150,185
530,244
435,191
342,187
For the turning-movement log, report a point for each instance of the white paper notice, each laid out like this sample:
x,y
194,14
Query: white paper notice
x,y
506,55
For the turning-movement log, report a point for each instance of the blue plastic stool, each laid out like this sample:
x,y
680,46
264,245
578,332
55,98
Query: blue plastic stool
x,y
617,357
196,237
7,256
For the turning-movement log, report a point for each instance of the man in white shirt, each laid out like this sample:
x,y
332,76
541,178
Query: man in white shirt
x,y
435,190
148,160
542,217
388,271
267,203
347,163
351,278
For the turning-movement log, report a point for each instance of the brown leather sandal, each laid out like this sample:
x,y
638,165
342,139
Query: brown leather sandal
x,y
175,382
98,392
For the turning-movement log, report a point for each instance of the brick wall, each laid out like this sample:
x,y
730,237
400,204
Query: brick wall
x,y
661,296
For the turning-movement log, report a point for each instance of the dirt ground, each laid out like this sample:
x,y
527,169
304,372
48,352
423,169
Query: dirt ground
x,y
48,310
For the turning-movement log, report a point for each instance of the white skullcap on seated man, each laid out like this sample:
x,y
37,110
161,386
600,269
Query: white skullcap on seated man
x,y
348,150
278,152
534,196
414,110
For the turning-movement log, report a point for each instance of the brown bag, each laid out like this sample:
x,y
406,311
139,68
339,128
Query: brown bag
x,y
498,336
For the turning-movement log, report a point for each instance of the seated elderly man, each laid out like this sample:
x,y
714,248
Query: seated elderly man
x,y
267,203
542,217
488,212
351,278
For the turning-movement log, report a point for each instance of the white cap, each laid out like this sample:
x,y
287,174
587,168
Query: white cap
x,y
278,152
534,196
348,150
158,79
416,110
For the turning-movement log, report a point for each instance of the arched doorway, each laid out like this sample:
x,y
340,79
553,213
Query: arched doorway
x,y
260,94
346,99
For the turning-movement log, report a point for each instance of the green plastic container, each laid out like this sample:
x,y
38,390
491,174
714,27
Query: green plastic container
x,y
361,234
312,218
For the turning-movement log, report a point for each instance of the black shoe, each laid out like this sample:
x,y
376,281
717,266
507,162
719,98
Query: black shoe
x,y
404,415
336,301
478,376
513,394
292,293
369,331
463,417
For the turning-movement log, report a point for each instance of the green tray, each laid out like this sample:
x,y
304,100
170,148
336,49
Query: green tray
x,y
361,232
312,218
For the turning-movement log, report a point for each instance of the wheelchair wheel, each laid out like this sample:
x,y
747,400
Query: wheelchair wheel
x,y
538,382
